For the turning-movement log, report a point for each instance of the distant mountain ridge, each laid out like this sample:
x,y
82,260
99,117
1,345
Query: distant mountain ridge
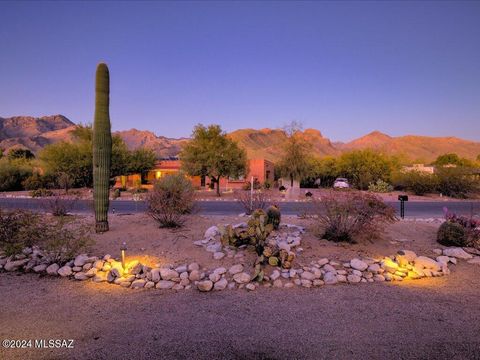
x,y
35,133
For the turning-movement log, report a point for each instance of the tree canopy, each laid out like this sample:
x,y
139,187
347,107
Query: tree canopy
x,y
75,158
296,160
452,159
212,153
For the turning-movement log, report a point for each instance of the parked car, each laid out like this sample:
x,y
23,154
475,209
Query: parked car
x,y
341,183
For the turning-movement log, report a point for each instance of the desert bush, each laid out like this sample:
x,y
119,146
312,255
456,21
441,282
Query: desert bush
x,y
459,231
274,216
60,238
351,216
380,187
451,234
19,229
37,181
456,182
247,185
64,240
58,206
361,167
415,181
116,193
13,174
170,200
41,193
252,202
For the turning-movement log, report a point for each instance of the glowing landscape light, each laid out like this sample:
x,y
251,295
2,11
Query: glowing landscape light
x,y
123,249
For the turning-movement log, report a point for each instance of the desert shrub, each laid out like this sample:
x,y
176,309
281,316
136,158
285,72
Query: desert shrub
x,y
116,193
64,240
41,193
451,234
170,200
456,182
459,231
419,183
12,174
274,216
37,181
361,167
247,185
58,206
19,229
380,187
59,238
252,201
351,216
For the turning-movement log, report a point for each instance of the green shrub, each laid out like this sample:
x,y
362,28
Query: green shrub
x,y
12,174
456,182
116,193
171,198
451,234
41,193
380,187
274,216
419,183
34,182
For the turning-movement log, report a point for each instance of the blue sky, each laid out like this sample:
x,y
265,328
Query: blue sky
x,y
345,68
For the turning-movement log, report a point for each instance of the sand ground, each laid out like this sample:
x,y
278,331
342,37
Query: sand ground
x,y
435,318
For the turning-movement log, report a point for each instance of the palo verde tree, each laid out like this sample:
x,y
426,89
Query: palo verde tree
x,y
295,163
212,153
102,148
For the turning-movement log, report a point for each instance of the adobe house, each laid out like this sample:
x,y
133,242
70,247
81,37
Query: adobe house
x,y
261,170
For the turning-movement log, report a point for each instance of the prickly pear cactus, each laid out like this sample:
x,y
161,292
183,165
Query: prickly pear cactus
x,y
102,148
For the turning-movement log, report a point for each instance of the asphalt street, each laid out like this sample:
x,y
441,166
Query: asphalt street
x,y
418,209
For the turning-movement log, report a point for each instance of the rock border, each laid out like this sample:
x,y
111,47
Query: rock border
x,y
404,265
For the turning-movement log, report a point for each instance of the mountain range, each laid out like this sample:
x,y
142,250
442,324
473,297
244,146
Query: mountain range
x,y
34,133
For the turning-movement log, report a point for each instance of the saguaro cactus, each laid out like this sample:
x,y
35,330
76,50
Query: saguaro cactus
x,y
102,148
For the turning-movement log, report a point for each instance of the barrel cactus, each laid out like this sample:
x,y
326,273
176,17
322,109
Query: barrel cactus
x,y
102,148
274,216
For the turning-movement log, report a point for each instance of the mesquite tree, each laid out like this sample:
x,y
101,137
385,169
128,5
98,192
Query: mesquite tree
x,y
102,148
212,153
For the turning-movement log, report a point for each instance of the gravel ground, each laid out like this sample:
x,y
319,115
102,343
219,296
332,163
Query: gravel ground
x,y
424,319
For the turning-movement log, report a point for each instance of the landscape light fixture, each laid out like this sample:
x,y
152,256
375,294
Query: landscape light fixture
x,y
123,248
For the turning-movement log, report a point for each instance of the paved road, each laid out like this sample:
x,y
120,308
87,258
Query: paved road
x,y
424,209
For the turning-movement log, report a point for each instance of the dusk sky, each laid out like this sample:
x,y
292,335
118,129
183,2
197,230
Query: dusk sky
x,y
345,68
